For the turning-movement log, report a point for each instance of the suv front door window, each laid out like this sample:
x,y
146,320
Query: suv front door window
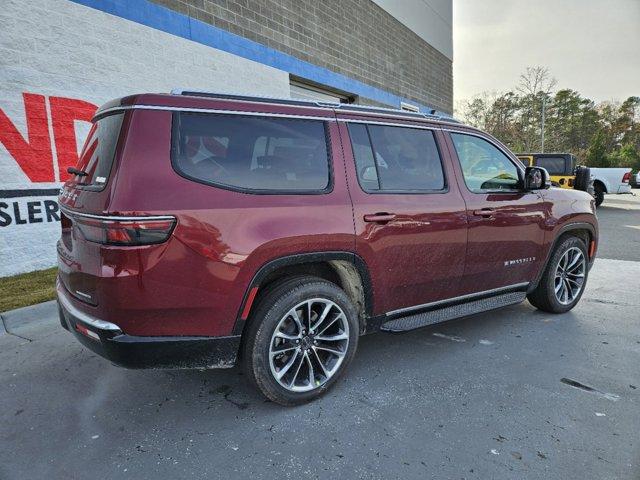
x,y
485,168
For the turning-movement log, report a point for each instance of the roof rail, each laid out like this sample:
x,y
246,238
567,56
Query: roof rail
x,y
253,98
343,107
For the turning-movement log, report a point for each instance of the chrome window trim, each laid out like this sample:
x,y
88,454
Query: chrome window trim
x,y
388,115
116,217
211,110
389,124
120,108
516,286
88,319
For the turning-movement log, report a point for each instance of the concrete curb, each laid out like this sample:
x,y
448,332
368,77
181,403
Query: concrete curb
x,y
15,320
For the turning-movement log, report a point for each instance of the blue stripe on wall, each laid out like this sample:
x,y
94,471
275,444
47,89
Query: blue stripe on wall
x,y
166,20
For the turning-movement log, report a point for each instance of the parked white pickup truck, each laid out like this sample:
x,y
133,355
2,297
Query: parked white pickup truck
x,y
610,180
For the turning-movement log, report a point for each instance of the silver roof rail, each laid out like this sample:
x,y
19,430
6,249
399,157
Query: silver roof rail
x,y
343,107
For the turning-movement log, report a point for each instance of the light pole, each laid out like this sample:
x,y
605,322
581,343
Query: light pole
x,y
544,106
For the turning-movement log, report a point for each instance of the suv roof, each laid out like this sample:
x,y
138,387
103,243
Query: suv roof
x,y
173,100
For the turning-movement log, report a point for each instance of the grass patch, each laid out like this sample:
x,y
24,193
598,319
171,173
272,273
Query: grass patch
x,y
27,289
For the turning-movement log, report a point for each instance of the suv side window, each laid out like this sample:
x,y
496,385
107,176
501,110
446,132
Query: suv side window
x,y
259,154
484,167
406,159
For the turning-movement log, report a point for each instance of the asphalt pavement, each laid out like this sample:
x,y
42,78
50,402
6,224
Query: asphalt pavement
x,y
514,393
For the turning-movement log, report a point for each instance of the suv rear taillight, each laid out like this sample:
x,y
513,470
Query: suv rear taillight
x,y
125,231
626,177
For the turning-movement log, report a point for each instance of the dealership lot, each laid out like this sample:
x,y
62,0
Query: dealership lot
x,y
514,393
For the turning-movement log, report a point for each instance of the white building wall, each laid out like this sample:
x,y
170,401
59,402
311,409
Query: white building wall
x,y
59,49
431,20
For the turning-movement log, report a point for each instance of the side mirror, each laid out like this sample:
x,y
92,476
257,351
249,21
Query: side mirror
x,y
536,178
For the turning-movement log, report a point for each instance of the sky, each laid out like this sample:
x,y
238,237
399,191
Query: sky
x,y
592,46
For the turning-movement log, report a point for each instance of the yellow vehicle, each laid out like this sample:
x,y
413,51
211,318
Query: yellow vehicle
x,y
561,166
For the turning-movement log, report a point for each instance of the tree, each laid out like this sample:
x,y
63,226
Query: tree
x,y
571,122
607,134
627,156
597,152
535,87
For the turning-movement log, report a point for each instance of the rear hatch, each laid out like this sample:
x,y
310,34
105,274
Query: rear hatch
x,y
84,195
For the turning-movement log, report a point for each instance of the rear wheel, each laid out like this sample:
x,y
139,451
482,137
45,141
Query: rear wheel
x,y
598,193
302,337
564,278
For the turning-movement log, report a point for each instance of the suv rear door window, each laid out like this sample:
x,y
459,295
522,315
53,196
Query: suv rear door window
x,y
484,167
406,159
98,151
251,153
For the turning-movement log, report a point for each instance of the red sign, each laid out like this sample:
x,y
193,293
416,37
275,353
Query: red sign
x,y
34,155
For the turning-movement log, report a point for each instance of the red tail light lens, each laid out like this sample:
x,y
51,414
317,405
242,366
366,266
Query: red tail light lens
x,y
626,177
126,231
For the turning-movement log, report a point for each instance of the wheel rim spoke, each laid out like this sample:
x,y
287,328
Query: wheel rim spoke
x,y
558,284
283,371
332,338
309,345
323,316
332,322
297,371
312,376
317,357
293,313
575,258
286,336
330,350
569,275
283,349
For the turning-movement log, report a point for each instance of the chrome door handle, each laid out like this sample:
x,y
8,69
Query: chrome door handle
x,y
379,217
484,212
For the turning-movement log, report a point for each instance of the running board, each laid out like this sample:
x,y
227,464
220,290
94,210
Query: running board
x,y
443,314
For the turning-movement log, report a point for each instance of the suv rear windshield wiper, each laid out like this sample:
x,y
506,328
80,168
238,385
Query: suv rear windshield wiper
x,y
75,171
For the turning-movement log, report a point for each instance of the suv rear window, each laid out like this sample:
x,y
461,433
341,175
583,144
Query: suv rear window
x,y
99,150
262,154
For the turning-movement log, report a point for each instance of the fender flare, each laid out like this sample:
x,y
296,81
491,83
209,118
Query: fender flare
x,y
564,229
302,258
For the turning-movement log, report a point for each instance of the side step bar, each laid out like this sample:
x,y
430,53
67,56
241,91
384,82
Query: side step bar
x,y
443,314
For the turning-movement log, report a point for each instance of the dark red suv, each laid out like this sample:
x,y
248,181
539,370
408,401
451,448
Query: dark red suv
x,y
202,229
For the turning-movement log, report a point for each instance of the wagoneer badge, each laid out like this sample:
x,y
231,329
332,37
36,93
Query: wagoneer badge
x,y
518,261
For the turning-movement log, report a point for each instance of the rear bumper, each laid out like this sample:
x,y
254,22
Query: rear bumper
x,y
107,340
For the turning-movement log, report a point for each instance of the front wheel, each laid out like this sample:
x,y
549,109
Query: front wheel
x,y
598,194
564,277
302,336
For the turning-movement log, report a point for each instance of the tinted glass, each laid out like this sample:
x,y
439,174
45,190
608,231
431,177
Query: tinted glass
x,y
99,150
406,159
554,165
524,161
485,168
254,153
363,154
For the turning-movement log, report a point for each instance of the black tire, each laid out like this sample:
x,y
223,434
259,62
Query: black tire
x,y
272,308
543,297
598,193
583,178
